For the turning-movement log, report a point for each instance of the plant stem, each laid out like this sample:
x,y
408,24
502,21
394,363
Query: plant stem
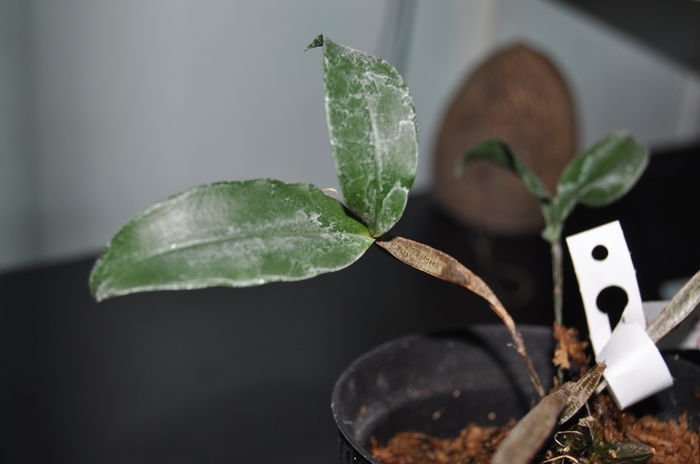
x,y
445,267
557,279
557,288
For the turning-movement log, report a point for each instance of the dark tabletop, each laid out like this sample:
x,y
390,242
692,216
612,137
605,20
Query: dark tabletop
x,y
245,375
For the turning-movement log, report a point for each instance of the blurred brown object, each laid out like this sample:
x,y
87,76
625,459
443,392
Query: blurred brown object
x,y
516,95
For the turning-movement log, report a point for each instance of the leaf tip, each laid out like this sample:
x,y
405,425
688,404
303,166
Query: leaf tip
x,y
99,296
481,150
99,277
95,286
317,42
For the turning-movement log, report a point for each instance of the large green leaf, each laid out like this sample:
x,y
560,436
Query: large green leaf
x,y
373,133
497,151
233,234
598,176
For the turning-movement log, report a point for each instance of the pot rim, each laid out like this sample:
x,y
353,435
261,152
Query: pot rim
x,y
395,341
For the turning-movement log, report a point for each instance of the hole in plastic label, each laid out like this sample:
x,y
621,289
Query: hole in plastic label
x,y
612,300
599,253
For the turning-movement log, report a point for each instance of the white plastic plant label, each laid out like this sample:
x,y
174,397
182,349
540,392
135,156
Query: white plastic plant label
x,y
635,367
601,260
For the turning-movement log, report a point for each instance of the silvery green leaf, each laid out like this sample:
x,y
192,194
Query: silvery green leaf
x,y
230,234
373,133
606,170
598,176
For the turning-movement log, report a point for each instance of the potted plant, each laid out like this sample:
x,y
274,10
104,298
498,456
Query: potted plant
x,y
244,233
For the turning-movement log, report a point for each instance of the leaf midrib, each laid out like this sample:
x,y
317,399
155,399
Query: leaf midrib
x,y
247,237
378,204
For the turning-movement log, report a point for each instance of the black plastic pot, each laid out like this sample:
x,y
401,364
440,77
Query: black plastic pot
x,y
437,384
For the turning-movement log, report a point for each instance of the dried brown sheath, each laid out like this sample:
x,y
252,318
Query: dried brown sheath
x,y
445,267
528,436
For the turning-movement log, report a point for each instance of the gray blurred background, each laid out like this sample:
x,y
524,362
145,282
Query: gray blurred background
x,y
107,106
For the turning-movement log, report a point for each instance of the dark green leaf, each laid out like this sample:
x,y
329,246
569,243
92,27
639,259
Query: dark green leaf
x,y
598,176
624,453
373,133
602,173
233,234
497,151
605,171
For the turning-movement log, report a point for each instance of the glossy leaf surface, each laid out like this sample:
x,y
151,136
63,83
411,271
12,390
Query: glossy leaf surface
x,y
373,133
605,171
231,234
598,176
497,151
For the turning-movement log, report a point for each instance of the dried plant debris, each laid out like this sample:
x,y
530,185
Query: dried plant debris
x,y
533,430
474,445
581,391
677,310
443,266
605,436
570,349
673,441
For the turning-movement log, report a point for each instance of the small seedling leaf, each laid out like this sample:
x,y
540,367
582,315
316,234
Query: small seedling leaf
x,y
233,234
373,133
606,170
601,174
497,151
624,453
